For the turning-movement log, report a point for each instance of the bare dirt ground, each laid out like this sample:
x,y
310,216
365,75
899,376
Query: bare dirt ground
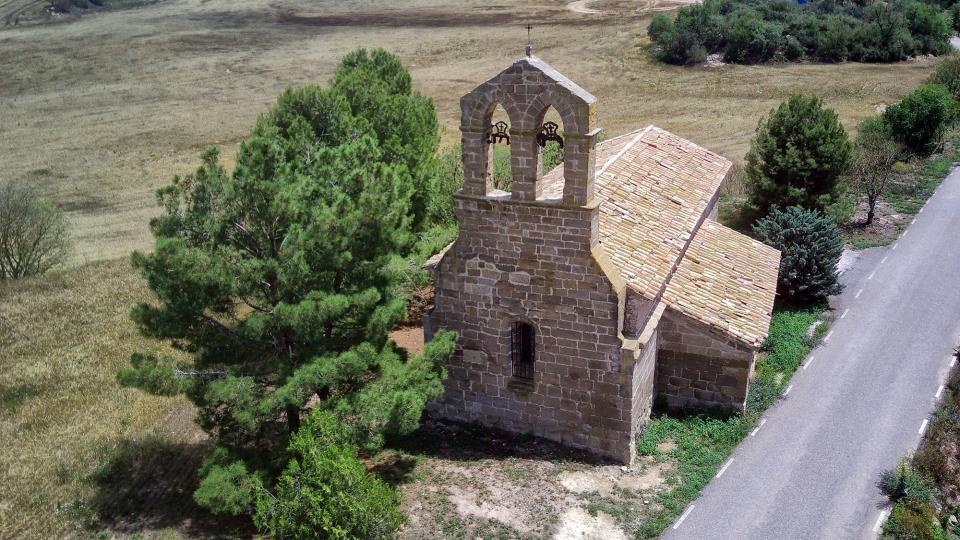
x,y
102,108
459,482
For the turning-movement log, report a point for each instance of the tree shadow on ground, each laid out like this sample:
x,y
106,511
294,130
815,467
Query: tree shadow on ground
x,y
457,441
148,485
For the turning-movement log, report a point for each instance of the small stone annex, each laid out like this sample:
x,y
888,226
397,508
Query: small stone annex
x,y
588,293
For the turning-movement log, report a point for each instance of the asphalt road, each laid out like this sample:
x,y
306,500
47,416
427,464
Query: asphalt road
x,y
858,405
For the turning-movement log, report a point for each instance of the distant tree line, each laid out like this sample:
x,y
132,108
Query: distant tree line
x,y
753,31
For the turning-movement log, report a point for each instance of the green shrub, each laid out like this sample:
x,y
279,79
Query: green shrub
x,y
904,483
681,47
659,25
947,74
920,119
810,244
913,523
705,21
502,171
750,39
447,181
834,41
797,157
929,26
325,491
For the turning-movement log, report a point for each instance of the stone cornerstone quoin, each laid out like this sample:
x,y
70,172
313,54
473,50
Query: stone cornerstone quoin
x,y
584,295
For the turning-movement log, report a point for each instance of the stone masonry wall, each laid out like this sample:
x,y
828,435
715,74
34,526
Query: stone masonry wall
x,y
644,371
699,367
526,261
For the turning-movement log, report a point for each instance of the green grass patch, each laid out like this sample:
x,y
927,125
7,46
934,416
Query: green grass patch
x,y
701,443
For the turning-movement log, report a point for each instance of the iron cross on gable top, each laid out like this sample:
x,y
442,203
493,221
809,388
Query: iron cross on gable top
x,y
529,42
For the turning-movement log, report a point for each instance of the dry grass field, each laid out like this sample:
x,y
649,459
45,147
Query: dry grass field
x,y
100,109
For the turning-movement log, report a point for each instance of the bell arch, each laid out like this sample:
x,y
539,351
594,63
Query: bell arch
x,y
527,90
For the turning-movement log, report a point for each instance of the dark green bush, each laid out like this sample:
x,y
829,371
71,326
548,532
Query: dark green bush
x,y
750,39
326,492
920,119
947,74
929,26
797,157
834,41
810,246
659,25
904,483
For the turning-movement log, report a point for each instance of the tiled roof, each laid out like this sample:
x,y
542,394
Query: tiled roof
x,y
656,189
727,281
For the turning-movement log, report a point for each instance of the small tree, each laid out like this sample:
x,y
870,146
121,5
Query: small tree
x,y
326,492
810,246
876,154
921,118
798,155
33,232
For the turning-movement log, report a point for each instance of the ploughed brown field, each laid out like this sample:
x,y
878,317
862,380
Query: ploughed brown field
x,y
101,106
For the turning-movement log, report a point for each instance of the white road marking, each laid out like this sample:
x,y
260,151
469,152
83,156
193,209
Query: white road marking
x,y
895,246
912,222
880,519
939,391
923,426
871,275
789,388
905,233
883,261
921,209
724,468
826,339
953,362
845,313
756,429
810,361
684,516
858,293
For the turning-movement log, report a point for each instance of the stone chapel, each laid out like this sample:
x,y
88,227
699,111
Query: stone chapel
x,y
588,293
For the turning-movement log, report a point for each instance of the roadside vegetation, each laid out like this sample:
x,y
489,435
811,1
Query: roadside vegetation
x,y
754,31
698,444
868,185
925,488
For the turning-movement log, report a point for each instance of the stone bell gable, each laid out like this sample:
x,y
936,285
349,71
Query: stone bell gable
x,y
522,259
585,294
526,90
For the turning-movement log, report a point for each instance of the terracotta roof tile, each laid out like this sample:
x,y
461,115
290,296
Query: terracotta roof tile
x,y
727,281
655,189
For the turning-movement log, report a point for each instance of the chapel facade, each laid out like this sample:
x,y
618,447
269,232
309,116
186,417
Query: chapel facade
x,y
587,293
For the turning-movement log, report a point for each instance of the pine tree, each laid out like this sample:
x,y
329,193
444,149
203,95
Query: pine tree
x,y
810,246
798,155
381,96
280,281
